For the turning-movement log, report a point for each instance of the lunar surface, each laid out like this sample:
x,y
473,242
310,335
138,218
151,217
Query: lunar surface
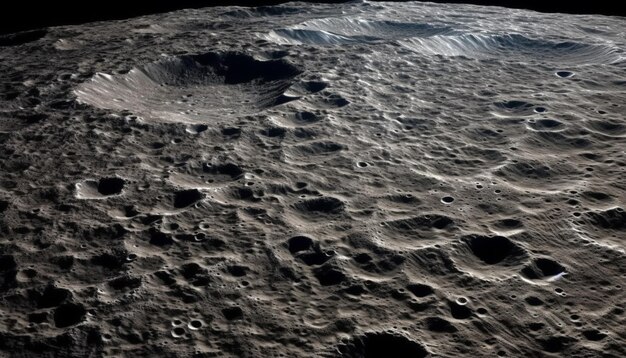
x,y
307,180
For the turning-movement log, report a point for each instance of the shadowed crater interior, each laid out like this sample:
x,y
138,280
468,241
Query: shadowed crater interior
x,y
104,187
185,198
493,250
542,268
382,344
110,186
325,205
193,88
69,314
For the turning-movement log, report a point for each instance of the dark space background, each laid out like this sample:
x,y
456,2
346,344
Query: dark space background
x,y
25,15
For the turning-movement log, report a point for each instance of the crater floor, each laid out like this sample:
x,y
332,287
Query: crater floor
x,y
307,180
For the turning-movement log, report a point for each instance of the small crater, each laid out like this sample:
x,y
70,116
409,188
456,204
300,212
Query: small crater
x,y
542,268
112,261
29,273
231,132
159,238
274,132
355,290
53,297
509,224
314,258
130,211
196,128
69,314
191,270
440,325
459,311
493,250
170,226
382,345
157,145
303,133
229,169
110,186
299,243
420,290
317,148
178,332
335,100
546,125
185,198
386,262
195,274
195,324
564,74
424,222
307,87
363,258
516,107
447,200
237,270
324,205
242,194
597,196
314,86
123,283
232,313
533,301
594,335
329,276
105,187
306,117
165,277
403,199
556,344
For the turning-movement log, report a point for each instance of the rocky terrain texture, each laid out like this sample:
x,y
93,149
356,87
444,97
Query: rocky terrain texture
x,y
355,180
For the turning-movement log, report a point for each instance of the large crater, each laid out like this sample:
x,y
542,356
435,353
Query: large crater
x,y
432,39
515,48
193,88
350,30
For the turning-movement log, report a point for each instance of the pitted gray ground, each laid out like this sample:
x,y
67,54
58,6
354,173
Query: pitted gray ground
x,y
421,180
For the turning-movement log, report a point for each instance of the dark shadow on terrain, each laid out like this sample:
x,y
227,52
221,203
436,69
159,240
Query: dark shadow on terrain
x,y
28,15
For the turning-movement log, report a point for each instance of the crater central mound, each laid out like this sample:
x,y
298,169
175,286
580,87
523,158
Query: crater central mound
x,y
193,88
